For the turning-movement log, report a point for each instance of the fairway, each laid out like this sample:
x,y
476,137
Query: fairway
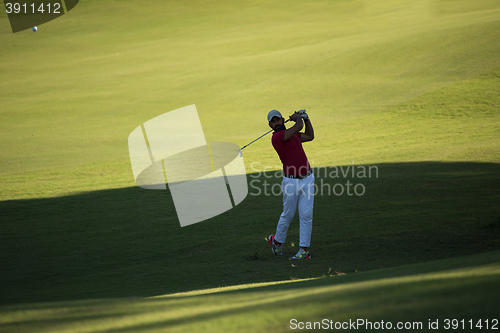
x,y
435,291
404,97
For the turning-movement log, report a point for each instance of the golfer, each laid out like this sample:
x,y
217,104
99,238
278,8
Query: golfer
x,y
298,181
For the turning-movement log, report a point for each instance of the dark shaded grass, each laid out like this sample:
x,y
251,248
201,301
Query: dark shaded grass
x,y
460,288
128,242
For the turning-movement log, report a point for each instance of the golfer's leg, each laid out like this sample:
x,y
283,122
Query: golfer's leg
x,y
306,204
289,189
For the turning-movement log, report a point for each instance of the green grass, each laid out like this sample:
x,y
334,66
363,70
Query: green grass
x,y
93,245
412,294
411,87
73,91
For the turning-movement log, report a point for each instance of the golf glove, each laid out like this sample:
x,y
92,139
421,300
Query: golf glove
x,y
301,111
304,116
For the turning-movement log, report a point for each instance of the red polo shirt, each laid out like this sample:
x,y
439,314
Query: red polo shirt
x,y
291,153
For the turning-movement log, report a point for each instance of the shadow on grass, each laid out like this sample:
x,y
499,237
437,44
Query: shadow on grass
x,y
465,287
128,242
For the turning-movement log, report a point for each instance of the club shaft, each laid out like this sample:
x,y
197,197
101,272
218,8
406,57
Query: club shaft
x,y
263,135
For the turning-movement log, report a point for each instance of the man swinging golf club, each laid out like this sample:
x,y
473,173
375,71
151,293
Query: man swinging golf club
x,y
298,181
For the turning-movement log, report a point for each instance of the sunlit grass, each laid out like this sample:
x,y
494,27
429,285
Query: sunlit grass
x,y
411,87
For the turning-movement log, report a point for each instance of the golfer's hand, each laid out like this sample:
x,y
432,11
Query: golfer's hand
x,y
302,111
295,116
304,116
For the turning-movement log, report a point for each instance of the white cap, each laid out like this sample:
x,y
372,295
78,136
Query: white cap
x,y
273,113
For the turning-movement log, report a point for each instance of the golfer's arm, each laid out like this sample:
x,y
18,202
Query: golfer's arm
x,y
308,135
299,124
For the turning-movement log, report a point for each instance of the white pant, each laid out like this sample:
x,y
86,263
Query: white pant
x,y
297,192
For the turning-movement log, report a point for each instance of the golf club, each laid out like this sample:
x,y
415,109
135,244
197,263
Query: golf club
x,y
263,135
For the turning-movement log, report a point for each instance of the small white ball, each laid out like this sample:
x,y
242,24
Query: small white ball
x,y
34,28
